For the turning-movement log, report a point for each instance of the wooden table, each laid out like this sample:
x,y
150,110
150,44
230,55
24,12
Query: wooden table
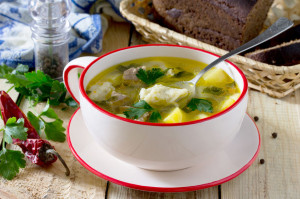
x,y
278,177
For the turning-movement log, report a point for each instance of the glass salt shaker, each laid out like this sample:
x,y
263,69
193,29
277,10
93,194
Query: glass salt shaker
x,y
50,33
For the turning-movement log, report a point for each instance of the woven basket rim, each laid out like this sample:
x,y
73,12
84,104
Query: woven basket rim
x,y
180,37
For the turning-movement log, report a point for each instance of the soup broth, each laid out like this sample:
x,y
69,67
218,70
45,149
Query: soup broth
x,y
151,90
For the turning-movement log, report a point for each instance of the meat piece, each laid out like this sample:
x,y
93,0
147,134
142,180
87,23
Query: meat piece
x,y
115,96
130,74
118,100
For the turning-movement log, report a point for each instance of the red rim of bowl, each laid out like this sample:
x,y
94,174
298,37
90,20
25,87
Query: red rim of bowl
x,y
81,88
161,189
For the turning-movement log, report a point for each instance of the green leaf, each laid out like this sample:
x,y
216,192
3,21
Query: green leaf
x,y
71,102
55,131
21,69
58,93
200,105
23,90
149,76
143,104
139,109
7,138
41,93
42,88
135,113
17,79
155,116
38,78
4,69
10,163
49,112
213,90
36,122
36,86
15,129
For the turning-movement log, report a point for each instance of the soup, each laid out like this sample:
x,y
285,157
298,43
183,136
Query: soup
x,y
152,90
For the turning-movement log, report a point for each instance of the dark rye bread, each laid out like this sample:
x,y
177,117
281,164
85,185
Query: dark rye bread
x,y
287,36
226,24
286,54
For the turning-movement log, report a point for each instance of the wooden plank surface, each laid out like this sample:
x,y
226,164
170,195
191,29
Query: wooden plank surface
x,y
119,192
279,176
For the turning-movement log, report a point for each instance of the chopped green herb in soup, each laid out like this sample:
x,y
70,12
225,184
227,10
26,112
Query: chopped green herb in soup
x,y
149,90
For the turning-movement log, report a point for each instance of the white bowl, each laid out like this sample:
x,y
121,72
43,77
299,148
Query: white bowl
x,y
156,146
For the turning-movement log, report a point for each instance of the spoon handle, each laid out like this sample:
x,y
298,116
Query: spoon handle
x,y
281,25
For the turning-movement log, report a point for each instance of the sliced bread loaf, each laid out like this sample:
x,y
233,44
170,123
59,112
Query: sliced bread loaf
x,y
289,35
226,24
286,54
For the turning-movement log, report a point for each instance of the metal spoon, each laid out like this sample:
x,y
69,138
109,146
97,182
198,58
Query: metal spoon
x,y
281,25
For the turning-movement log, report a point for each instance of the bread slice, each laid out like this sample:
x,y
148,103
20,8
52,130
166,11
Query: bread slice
x,y
286,54
287,36
226,24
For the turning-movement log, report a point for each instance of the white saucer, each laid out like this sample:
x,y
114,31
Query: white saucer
x,y
216,170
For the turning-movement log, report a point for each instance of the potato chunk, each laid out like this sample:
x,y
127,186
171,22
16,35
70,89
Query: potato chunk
x,y
175,116
201,116
159,95
101,92
228,102
216,76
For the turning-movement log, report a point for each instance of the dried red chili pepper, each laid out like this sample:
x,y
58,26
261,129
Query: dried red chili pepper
x,y
37,150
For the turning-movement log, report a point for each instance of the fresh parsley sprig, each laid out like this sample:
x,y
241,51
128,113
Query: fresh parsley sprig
x,y
150,76
54,130
36,86
14,129
140,108
11,161
200,105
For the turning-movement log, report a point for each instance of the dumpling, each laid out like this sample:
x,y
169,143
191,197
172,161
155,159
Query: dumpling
x,y
101,92
159,95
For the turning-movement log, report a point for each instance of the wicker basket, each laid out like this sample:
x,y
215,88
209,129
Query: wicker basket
x,y
276,81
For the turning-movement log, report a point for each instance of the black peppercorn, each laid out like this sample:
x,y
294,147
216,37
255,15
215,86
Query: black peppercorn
x,y
51,65
261,161
256,118
274,135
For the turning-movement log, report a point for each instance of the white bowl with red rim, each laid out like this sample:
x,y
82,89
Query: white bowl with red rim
x,y
156,146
